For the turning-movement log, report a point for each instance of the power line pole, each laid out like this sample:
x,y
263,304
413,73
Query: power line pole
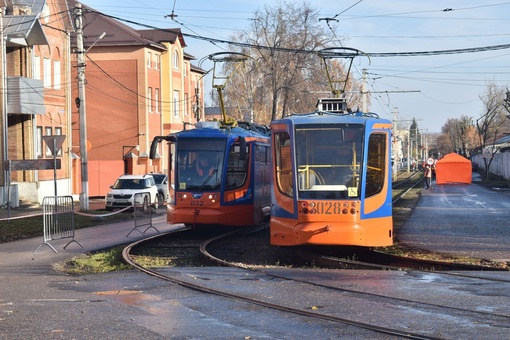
x,y
80,102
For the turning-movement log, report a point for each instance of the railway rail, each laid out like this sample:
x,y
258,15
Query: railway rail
x,y
214,249
222,250
203,288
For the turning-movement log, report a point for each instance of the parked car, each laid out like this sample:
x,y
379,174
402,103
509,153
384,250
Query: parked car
x,y
162,184
128,188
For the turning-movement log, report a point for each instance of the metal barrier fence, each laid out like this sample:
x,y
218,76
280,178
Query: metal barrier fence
x,y
142,212
58,218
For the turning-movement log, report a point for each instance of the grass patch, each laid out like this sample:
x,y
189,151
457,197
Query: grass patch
x,y
107,261
100,262
148,261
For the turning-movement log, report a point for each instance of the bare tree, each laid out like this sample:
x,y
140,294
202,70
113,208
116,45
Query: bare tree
x,y
286,74
458,135
492,123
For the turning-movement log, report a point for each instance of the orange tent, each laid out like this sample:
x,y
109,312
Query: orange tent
x,y
452,169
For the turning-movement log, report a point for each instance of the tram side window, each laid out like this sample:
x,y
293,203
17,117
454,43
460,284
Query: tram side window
x,y
376,165
237,168
283,163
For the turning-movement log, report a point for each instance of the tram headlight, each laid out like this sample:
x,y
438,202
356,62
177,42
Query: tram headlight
x,y
353,211
345,211
304,204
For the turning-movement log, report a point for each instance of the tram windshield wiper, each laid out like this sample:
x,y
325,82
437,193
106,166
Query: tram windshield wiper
x,y
207,179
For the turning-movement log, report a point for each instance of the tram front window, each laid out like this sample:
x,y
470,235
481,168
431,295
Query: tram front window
x,y
199,164
328,160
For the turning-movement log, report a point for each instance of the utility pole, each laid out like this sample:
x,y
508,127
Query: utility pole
x,y
396,162
364,107
80,102
5,117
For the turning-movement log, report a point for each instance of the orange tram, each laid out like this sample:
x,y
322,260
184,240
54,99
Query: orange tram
x,y
218,175
331,179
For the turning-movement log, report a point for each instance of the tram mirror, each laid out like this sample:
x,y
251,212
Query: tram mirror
x,y
242,154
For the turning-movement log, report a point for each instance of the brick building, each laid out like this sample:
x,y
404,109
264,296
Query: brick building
x,y
35,73
140,84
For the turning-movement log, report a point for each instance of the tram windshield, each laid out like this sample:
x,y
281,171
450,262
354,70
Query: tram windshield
x,y
328,160
200,164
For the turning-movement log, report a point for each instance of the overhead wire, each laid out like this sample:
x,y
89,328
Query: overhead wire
x,y
372,54
293,50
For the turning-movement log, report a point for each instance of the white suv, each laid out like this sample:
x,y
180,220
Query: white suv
x,y
127,188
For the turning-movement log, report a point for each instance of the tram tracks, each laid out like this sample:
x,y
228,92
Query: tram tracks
x,y
216,250
212,246
182,281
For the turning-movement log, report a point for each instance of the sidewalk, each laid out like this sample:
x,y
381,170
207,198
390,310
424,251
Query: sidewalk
x,y
461,219
103,236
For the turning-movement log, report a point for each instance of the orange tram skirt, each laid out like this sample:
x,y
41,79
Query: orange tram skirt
x,y
375,232
235,216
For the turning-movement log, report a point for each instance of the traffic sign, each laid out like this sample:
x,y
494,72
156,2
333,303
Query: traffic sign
x,y
486,153
54,143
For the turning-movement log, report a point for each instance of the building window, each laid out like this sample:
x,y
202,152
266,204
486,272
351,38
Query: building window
x,y
38,142
149,99
37,68
156,100
47,72
158,61
56,75
176,104
149,59
47,132
176,60
185,69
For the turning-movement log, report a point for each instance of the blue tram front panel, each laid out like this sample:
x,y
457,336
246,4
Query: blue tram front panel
x,y
214,177
331,181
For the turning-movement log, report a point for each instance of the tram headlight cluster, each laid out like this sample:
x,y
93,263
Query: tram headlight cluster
x,y
329,207
211,197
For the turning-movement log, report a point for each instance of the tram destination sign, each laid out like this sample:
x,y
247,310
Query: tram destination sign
x,y
33,164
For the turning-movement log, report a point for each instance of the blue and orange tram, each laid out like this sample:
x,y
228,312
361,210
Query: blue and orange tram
x,y
331,179
219,175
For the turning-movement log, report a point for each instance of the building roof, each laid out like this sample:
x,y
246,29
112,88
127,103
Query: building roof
x,y
503,140
164,35
197,69
117,33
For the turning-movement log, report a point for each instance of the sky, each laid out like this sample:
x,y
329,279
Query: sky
x,y
428,88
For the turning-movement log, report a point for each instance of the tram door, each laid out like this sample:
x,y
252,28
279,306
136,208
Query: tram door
x,y
377,196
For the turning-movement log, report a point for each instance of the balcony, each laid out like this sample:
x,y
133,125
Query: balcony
x,y
25,96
